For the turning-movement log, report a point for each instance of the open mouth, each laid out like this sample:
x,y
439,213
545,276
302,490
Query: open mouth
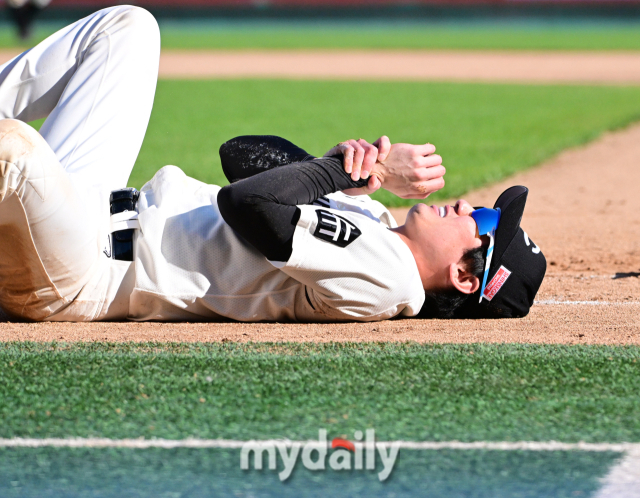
x,y
442,211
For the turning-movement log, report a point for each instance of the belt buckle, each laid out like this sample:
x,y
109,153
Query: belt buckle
x,y
124,222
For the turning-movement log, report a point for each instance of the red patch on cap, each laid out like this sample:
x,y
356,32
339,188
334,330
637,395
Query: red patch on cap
x,y
496,283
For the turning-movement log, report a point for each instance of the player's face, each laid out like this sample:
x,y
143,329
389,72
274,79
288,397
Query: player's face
x,y
443,234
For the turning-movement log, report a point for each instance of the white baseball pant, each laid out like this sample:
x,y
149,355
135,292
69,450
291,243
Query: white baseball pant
x,y
94,81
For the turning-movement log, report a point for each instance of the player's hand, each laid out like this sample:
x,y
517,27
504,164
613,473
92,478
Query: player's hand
x,y
411,171
359,159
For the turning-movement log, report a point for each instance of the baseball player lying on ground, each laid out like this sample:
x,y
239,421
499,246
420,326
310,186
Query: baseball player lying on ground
x,y
282,242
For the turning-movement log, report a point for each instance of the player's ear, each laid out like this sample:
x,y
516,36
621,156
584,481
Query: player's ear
x,y
464,281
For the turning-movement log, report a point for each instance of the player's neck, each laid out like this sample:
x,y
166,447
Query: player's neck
x,y
431,278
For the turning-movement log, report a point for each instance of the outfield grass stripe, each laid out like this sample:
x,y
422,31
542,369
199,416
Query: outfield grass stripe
x,y
235,444
376,34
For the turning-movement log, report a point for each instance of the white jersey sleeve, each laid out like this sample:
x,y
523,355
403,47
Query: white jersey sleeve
x,y
353,266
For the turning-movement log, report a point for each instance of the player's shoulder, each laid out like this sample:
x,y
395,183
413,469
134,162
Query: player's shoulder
x,y
362,205
358,268
350,238
340,227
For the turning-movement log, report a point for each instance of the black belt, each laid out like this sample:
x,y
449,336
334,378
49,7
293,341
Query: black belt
x,y
122,240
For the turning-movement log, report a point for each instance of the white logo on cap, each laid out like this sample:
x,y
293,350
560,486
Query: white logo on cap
x,y
535,249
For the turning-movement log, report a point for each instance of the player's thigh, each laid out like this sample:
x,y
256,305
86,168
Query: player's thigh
x,y
50,233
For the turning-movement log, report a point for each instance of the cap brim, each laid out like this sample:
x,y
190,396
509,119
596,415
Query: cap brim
x,y
511,203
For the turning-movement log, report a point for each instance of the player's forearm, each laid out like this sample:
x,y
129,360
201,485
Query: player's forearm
x,y
262,208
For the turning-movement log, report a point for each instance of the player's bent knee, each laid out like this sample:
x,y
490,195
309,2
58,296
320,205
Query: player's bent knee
x,y
16,139
24,155
19,141
142,22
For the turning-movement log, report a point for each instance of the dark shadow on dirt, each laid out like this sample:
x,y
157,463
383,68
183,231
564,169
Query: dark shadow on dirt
x,y
626,275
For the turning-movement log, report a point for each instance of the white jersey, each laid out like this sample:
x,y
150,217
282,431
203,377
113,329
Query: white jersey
x,y
190,265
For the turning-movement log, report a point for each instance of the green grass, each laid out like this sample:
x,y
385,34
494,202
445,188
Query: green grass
x,y
55,472
483,132
404,36
404,391
376,35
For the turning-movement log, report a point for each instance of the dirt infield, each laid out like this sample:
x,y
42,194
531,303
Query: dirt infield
x,y
583,211
440,65
490,66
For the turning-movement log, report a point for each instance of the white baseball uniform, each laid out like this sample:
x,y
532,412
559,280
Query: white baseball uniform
x,y
95,81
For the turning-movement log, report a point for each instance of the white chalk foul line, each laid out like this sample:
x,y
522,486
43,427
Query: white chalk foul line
x,y
587,303
233,444
623,479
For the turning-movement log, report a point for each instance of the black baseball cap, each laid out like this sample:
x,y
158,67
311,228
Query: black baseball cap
x,y
517,265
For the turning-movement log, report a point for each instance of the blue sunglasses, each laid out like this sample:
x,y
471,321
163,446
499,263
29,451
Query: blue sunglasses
x,y
487,221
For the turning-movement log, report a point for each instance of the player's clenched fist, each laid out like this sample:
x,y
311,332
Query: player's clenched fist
x,y
411,171
359,160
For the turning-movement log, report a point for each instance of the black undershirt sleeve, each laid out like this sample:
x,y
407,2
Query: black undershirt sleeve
x,y
262,208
